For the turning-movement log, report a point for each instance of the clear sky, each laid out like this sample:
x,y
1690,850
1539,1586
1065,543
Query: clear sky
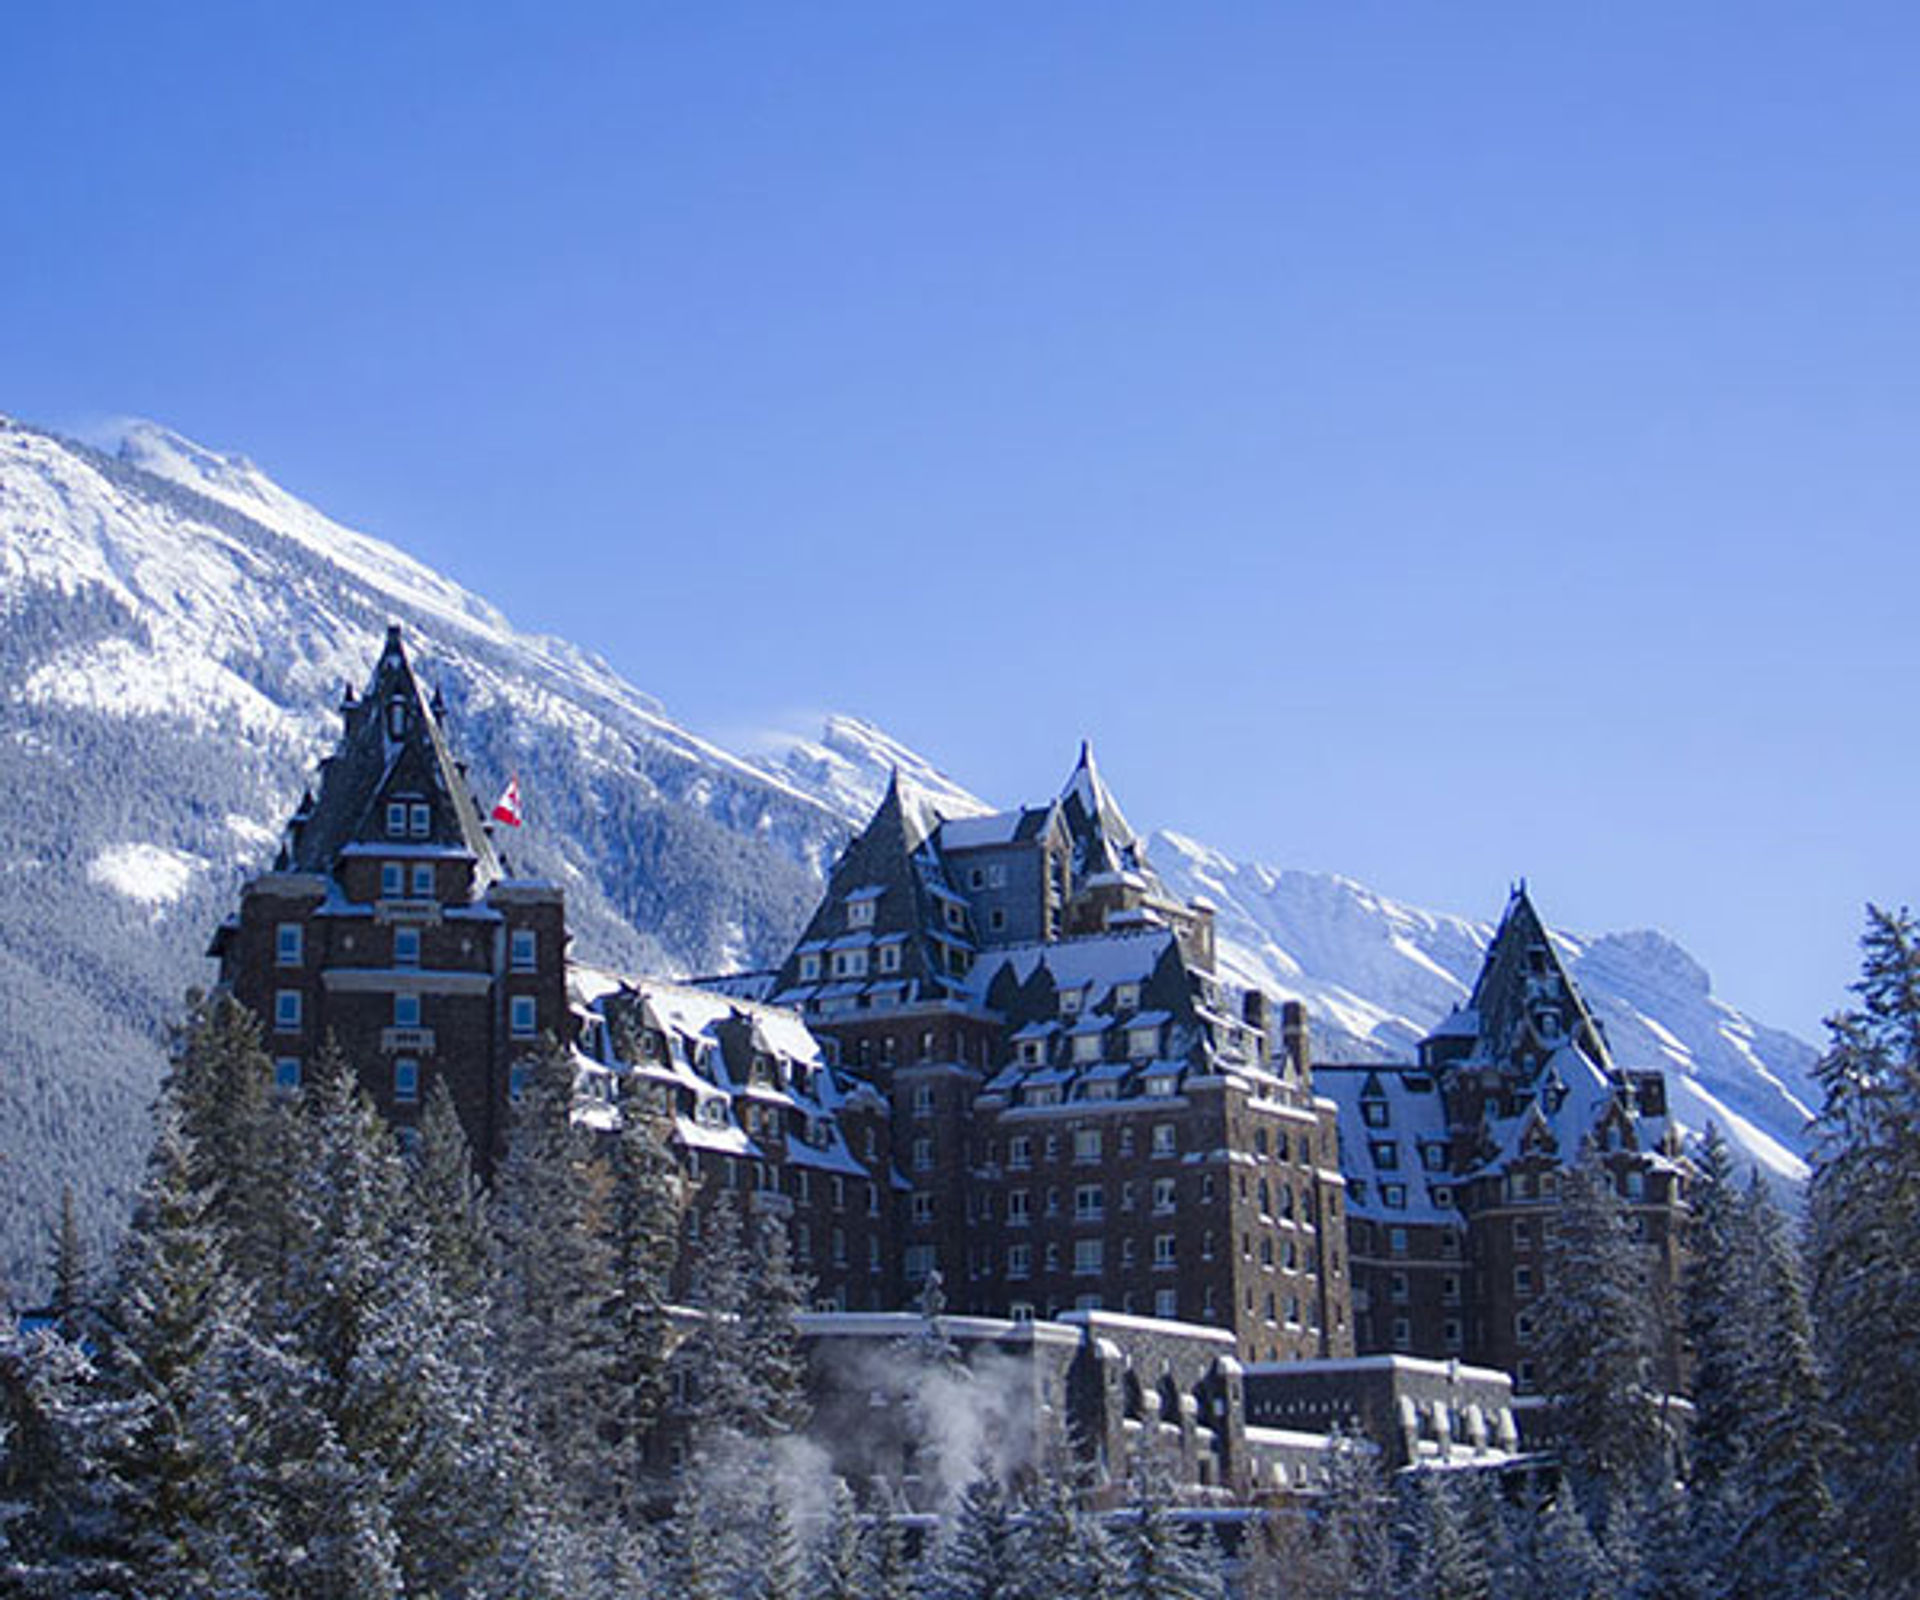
x,y
1431,442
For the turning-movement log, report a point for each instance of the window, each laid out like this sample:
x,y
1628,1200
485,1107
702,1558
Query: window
x,y
1088,1256
1399,1288
837,1244
1163,1139
1450,1333
1086,1047
809,968
1433,1157
1402,1333
1164,1253
1020,1150
1086,1144
419,820
1636,1185
1053,1147
1163,1195
1160,1086
873,1200
1166,1303
838,1190
524,950
1394,1196
392,880
423,881
923,1154
288,941
1385,1153
1373,1113
1523,1280
1089,1202
406,1080
1143,1043
889,958
286,1010
1523,1324
1019,1207
873,1252
1053,1202
406,947
997,920
1126,997
1397,1241
286,1073
1450,1288
1070,1002
923,1208
396,820
860,913
524,1017
406,1011
1019,1260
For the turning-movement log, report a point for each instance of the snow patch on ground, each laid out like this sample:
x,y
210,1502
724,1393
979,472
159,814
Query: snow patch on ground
x,y
148,873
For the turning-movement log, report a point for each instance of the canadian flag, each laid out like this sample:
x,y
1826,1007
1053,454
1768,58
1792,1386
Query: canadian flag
x,y
507,808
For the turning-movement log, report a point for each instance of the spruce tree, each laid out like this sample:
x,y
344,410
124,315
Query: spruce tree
x,y
715,1355
841,1562
1863,1200
72,1276
555,1280
1442,1560
221,1083
978,1558
1158,1560
1597,1345
776,1295
646,1201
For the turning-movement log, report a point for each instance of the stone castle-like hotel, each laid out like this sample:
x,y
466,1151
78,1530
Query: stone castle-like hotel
x,y
1002,1053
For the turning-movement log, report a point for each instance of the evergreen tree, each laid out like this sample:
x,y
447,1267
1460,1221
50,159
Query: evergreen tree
x,y
555,1280
841,1564
715,1355
1443,1561
770,1331
782,1568
1597,1345
646,1200
891,1567
1564,1560
1159,1562
978,1557
1719,1299
1864,1199
450,1204
72,1286
176,1312
61,1502
1060,1550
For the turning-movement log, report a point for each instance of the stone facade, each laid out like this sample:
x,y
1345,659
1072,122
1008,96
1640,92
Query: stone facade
x,y
1086,1115
391,925
1454,1163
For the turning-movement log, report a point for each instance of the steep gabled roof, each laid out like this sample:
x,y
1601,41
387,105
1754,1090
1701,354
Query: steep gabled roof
x,y
1103,840
1525,1002
392,746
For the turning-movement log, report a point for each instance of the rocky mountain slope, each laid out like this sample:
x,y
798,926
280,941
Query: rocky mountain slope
x,y
176,629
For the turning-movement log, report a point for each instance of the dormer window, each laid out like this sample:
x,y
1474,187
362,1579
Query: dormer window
x,y
419,820
1143,1043
397,718
956,918
809,968
1031,1052
1070,1001
1373,1113
396,819
1126,996
1086,1047
860,913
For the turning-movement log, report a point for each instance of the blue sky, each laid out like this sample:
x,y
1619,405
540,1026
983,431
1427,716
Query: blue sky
x,y
1432,443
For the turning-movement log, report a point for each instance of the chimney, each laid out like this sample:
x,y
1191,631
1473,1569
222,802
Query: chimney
x,y
1295,1039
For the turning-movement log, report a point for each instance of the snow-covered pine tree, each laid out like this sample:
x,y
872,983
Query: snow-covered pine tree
x,y
1159,1561
646,1198
978,1556
1061,1552
1597,1341
782,1573
1564,1560
397,1368
175,1313
72,1273
555,1280
724,1403
1864,1203
1791,1540
61,1502
777,1292
1441,1559
1719,1309
221,1080
450,1204
840,1561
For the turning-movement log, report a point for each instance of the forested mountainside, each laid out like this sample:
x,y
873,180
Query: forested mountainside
x,y
177,633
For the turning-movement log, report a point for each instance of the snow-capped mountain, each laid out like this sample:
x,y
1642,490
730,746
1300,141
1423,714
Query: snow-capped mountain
x,y
177,628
